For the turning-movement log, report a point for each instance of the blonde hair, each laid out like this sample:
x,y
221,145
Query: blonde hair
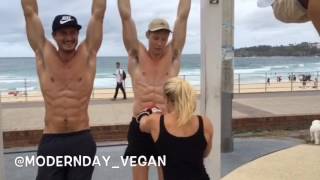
x,y
181,94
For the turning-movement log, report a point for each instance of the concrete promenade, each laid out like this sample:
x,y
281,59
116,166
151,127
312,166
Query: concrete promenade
x,y
252,158
29,115
246,150
23,122
300,162
276,104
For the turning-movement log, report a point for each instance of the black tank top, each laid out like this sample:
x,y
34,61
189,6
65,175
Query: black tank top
x,y
184,155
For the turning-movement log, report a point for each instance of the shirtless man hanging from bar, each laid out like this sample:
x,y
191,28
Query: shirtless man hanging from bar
x,y
66,76
149,70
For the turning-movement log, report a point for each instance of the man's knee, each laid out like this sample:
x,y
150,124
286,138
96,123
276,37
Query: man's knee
x,y
290,11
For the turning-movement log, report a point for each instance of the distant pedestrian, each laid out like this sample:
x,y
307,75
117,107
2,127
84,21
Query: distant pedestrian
x,y
308,77
278,78
120,78
315,85
304,80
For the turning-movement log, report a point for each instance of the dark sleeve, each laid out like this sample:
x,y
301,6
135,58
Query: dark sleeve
x,y
304,3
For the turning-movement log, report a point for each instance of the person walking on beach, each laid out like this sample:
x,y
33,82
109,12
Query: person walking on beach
x,y
120,77
295,11
304,80
149,70
66,76
179,135
315,83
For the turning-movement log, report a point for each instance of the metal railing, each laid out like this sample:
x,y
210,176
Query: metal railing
x,y
28,90
276,81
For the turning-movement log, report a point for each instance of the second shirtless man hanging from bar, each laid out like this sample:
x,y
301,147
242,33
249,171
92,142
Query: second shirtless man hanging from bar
x,y
150,69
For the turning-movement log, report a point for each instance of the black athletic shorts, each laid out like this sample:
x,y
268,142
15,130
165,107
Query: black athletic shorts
x,y
76,144
139,143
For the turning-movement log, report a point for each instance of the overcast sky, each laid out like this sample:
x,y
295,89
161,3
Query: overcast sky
x,y
253,26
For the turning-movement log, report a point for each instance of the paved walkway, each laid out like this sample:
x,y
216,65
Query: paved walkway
x,y
276,104
250,159
29,115
301,162
246,150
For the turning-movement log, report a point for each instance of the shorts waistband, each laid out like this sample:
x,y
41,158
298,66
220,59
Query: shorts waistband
x,y
67,134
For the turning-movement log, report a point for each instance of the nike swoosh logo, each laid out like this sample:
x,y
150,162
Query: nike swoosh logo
x,y
65,21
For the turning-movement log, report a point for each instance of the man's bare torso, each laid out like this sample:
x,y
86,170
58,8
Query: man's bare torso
x,y
66,89
148,77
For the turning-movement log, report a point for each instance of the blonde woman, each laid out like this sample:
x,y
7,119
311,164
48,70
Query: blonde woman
x,y
184,138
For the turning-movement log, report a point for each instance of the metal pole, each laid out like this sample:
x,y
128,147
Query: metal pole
x,y
227,75
291,80
266,82
1,146
211,57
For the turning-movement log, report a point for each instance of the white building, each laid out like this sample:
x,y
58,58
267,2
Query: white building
x,y
316,44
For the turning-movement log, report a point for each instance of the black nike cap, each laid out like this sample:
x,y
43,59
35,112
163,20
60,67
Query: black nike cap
x,y
64,20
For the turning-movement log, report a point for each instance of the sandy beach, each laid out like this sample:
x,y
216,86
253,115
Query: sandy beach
x,y
37,95
108,93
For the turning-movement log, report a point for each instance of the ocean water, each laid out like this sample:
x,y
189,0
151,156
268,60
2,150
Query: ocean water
x,y
14,72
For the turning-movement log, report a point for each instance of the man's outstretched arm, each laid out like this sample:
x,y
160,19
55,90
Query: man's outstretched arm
x,y
34,27
314,13
95,27
180,27
129,31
